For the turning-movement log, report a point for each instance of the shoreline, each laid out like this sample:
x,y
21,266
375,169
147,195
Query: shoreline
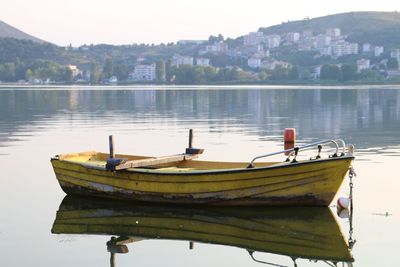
x,y
155,86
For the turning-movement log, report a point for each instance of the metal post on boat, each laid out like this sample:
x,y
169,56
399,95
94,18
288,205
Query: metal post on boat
x,y
190,150
111,144
191,245
190,138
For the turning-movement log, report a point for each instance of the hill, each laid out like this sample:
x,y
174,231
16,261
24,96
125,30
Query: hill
x,y
377,28
8,31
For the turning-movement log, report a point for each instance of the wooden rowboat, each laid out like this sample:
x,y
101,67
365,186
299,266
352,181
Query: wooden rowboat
x,y
298,232
181,179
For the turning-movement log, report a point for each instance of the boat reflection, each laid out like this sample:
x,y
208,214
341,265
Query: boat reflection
x,y
307,233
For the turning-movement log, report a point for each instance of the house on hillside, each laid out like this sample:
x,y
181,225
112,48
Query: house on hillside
x,y
378,50
178,60
143,73
202,61
363,64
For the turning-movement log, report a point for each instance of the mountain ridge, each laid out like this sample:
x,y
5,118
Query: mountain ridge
x,y
8,31
361,26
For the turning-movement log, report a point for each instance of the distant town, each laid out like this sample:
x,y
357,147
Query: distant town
x,y
323,55
259,50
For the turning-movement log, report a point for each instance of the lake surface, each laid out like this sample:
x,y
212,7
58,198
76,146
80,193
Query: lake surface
x,y
232,124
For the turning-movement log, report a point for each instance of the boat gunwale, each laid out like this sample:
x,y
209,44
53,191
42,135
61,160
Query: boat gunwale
x,y
208,171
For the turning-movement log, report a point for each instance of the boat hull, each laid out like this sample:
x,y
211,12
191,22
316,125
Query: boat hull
x,y
309,183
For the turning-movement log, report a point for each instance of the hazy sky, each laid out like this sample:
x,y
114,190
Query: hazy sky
x,y
155,21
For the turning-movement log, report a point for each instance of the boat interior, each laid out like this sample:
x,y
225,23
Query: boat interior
x,y
98,160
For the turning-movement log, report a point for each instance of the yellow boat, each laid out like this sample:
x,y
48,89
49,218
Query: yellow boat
x,y
181,179
297,232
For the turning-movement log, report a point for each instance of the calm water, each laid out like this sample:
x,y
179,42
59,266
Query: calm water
x,y
231,124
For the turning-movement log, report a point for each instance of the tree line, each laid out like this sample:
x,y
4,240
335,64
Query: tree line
x,y
39,69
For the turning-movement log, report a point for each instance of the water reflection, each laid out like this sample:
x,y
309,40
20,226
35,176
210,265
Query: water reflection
x,y
368,118
299,233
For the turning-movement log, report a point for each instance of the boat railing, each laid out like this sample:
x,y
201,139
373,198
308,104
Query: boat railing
x,y
295,150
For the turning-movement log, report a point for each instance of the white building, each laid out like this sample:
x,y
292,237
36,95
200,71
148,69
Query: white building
x,y
254,62
191,42
363,64
316,72
253,38
219,47
272,41
75,71
143,73
307,34
343,48
395,53
293,37
333,32
322,40
393,74
378,50
272,64
366,47
181,60
305,45
325,51
202,61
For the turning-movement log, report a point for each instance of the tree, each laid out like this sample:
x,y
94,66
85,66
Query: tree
x,y
293,73
330,72
121,71
210,74
392,63
168,70
279,73
214,39
349,72
160,71
370,75
66,74
95,73
108,69
7,72
28,74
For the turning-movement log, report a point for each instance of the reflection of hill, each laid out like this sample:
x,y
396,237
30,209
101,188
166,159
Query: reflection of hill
x,y
364,116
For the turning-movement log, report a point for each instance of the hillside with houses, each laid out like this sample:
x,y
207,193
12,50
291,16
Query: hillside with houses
x,y
359,47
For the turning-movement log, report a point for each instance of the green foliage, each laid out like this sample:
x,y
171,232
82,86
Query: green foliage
x,y
213,39
377,28
28,51
168,70
12,72
280,73
160,71
121,71
349,72
222,61
95,73
331,72
187,74
7,72
370,75
300,58
392,64
28,74
108,68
